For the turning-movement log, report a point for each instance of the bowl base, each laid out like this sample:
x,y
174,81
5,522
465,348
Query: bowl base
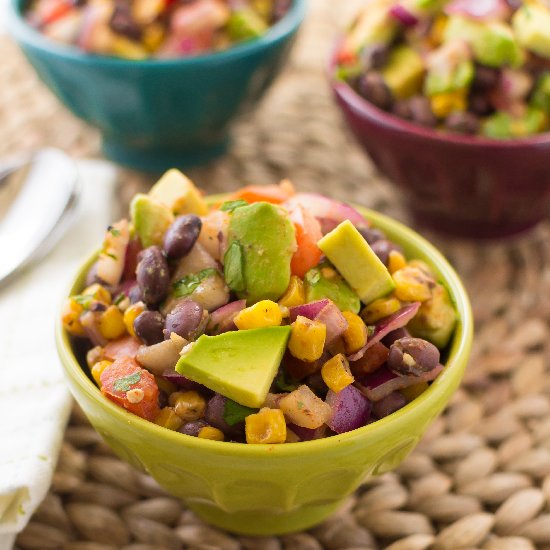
x,y
159,160
258,523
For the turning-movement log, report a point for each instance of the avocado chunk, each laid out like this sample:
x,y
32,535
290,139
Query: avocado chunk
x,y
403,72
449,69
260,245
244,24
324,281
436,318
373,26
540,98
502,125
179,194
151,219
492,42
352,256
240,365
531,24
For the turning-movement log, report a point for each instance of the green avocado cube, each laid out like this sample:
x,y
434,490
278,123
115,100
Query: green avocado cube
x,y
449,81
151,219
244,24
502,125
403,72
324,281
240,365
531,24
492,42
540,98
352,256
373,26
261,242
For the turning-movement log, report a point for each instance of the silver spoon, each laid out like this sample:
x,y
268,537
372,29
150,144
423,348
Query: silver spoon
x,y
38,195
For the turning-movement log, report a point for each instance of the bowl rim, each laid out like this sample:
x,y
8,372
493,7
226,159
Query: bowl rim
x,y
458,354
28,35
359,105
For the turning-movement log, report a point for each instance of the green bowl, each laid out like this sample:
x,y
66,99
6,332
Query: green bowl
x,y
275,489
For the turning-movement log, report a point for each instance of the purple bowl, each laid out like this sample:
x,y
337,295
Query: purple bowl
x,y
461,185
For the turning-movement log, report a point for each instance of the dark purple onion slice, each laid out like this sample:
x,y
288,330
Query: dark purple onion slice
x,y
336,324
386,325
350,409
180,381
401,14
308,434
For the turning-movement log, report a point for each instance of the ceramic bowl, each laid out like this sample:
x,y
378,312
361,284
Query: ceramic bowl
x,y
466,186
275,489
156,114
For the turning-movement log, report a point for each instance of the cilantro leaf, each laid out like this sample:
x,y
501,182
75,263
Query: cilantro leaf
x,y
233,412
283,384
113,231
84,300
229,206
189,283
124,383
233,267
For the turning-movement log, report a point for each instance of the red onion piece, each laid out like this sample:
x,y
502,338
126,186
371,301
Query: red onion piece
x,y
131,259
386,325
179,380
307,434
398,383
90,322
334,321
403,15
479,9
221,320
310,310
324,208
389,404
350,409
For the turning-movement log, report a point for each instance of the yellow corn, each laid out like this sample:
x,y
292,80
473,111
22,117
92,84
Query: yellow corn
x,y
189,405
336,373
307,339
262,314
122,47
423,266
379,309
130,316
355,336
209,432
412,392
437,31
266,426
165,385
153,37
396,261
111,323
412,285
98,368
70,317
98,293
295,294
446,103
167,418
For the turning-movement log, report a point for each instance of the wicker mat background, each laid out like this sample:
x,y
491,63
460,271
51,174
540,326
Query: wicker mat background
x,y
481,476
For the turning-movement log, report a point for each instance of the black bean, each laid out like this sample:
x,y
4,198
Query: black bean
x,y
485,78
421,111
373,88
182,235
389,404
480,104
193,428
370,234
123,22
462,122
162,399
382,249
394,335
148,326
412,356
402,109
214,415
375,56
152,275
186,319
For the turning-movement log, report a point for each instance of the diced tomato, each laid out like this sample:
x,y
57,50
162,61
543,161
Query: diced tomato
x,y
127,346
346,56
374,357
131,387
55,11
275,194
308,233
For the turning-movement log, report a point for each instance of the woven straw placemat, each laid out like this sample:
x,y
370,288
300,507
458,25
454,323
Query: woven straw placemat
x,y
480,478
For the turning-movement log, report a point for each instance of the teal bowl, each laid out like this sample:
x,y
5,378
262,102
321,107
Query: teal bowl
x,y
276,489
159,113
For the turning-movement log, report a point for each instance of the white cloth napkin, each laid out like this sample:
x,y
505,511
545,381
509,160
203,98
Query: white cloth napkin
x,y
34,399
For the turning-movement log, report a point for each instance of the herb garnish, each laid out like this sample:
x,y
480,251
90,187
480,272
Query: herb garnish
x,y
124,383
233,412
229,206
189,283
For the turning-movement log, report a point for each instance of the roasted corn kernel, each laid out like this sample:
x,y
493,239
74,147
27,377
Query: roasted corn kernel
x,y
189,405
70,317
307,339
111,323
413,285
446,103
266,426
336,373
209,432
396,261
295,294
130,316
379,309
355,336
98,368
167,418
262,314
97,293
